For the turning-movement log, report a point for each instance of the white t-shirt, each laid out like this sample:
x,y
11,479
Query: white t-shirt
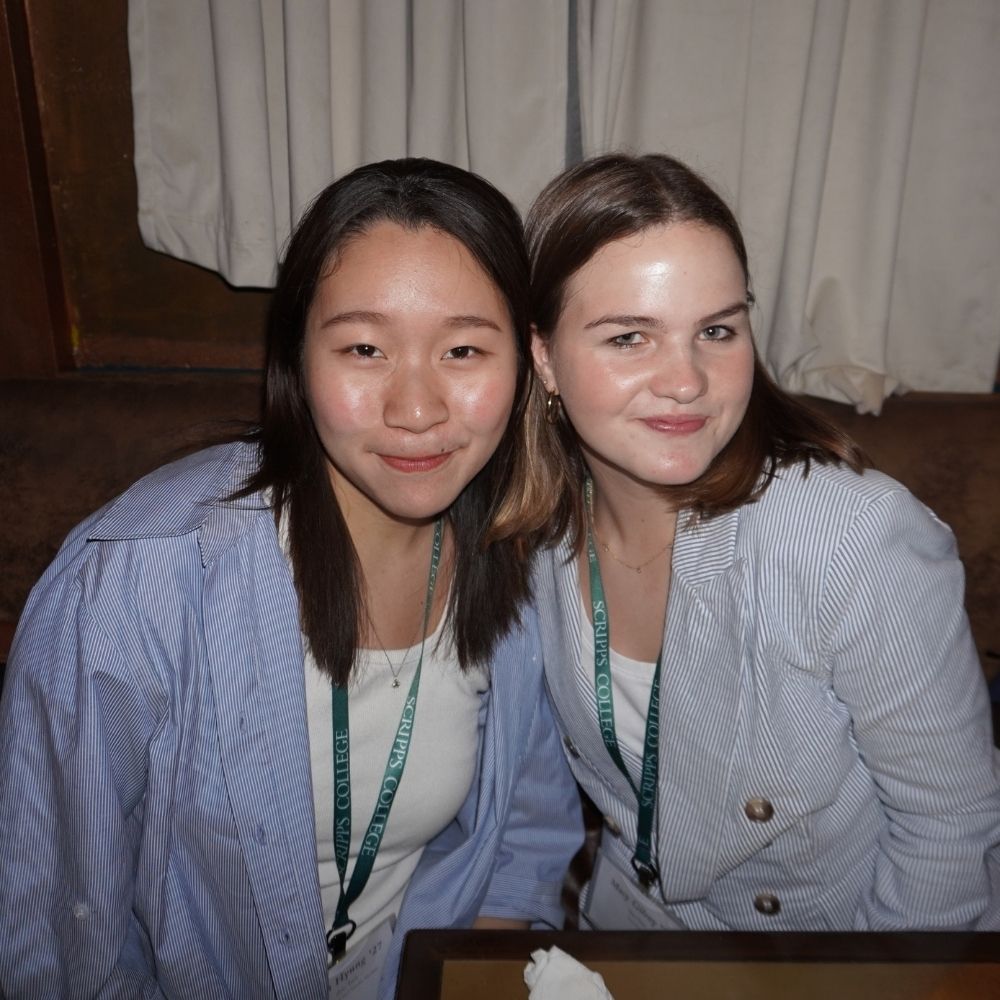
x,y
438,774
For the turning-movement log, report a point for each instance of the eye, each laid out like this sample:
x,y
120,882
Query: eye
x,y
364,351
631,339
718,333
462,352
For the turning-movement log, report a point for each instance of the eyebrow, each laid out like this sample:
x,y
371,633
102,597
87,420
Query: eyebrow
x,y
460,322
734,310
624,320
651,322
355,316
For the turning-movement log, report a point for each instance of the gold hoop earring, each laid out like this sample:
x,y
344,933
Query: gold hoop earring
x,y
553,407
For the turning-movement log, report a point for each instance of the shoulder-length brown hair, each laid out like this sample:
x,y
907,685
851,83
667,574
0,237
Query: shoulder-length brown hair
x,y
608,198
490,580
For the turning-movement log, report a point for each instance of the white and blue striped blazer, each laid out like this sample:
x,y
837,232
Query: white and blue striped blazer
x,y
818,660
157,834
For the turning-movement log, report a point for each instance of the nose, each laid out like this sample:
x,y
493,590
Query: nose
x,y
679,375
414,400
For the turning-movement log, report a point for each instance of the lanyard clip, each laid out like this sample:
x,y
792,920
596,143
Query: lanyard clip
x,y
647,873
336,940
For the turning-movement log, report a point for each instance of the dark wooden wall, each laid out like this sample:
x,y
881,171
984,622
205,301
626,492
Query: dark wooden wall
x,y
79,290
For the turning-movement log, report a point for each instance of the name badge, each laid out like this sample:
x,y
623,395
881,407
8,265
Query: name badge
x,y
616,902
356,975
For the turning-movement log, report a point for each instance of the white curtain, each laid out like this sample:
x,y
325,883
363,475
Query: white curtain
x,y
858,140
245,109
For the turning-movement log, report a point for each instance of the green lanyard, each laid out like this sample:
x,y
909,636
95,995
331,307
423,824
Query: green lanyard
x,y
642,861
343,927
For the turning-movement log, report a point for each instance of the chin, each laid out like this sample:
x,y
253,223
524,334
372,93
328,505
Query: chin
x,y
677,475
419,510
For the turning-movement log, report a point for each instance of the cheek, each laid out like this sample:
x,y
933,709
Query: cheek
x,y
487,403
591,388
336,403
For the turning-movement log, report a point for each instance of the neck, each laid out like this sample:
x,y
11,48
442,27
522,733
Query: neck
x,y
630,514
633,532
387,540
395,559
378,535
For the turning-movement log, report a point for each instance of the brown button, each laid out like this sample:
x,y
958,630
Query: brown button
x,y
767,904
612,824
758,810
571,747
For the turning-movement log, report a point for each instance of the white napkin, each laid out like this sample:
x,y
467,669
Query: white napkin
x,y
554,975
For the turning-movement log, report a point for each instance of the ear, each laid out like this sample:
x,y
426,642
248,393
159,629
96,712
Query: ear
x,y
543,364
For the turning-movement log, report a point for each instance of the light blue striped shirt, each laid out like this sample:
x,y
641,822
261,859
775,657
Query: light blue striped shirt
x,y
157,835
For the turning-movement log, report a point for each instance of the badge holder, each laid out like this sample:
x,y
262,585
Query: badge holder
x,y
356,975
336,942
647,874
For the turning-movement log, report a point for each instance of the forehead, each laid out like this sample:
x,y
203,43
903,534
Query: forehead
x,y
693,241
385,241
677,257
405,263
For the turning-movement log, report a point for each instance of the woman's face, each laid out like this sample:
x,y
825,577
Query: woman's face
x,y
652,354
410,371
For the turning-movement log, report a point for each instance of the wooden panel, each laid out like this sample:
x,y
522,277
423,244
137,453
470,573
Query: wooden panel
x,y
69,444
128,306
31,303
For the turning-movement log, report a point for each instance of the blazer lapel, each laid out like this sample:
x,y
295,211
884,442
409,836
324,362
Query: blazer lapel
x,y
701,692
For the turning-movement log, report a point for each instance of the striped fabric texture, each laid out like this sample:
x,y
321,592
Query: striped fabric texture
x,y
157,835
816,656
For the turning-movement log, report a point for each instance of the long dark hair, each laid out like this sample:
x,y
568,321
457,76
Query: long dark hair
x,y
608,198
490,580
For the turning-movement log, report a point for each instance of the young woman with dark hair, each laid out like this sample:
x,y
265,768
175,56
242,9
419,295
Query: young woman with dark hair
x,y
215,688
756,648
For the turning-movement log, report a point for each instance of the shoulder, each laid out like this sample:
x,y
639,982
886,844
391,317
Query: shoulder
x,y
833,500
831,521
137,568
800,491
179,497
175,517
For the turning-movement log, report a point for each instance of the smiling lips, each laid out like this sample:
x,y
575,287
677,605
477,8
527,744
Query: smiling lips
x,y
420,463
675,425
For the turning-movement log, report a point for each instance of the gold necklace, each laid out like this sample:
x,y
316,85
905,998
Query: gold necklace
x,y
607,548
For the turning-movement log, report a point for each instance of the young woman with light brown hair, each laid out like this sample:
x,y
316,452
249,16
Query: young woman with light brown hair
x,y
756,648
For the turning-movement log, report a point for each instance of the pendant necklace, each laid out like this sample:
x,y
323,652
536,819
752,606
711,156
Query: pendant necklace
x,y
395,671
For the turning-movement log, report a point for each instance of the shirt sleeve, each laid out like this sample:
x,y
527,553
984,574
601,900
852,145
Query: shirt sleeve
x,y
904,664
74,736
544,829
